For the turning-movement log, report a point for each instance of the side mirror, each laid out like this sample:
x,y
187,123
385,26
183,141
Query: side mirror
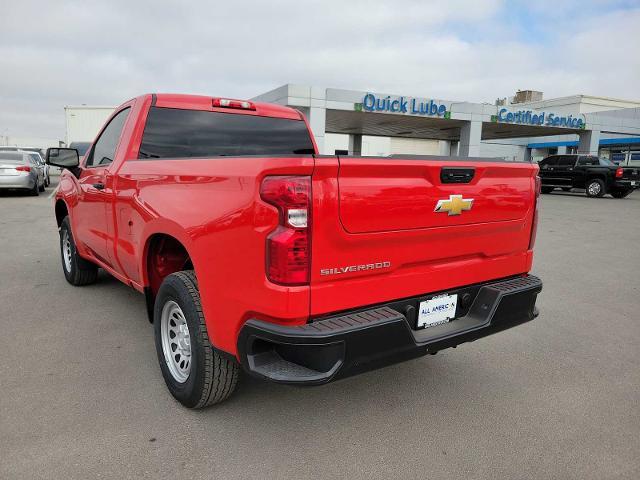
x,y
63,157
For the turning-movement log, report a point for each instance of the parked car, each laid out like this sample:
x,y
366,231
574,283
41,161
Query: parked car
x,y
598,176
43,167
254,252
21,171
41,162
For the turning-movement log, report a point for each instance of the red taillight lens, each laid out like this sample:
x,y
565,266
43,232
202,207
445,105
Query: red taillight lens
x,y
230,103
534,223
23,168
289,246
619,173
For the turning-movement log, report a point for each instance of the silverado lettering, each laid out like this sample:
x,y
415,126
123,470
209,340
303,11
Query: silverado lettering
x,y
355,268
222,214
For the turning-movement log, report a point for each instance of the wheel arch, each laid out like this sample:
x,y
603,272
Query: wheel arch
x,y
163,254
61,210
598,176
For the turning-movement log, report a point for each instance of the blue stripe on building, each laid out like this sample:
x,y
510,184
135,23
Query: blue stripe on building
x,y
603,141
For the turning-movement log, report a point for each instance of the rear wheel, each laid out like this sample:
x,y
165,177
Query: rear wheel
x,y
595,188
195,373
41,188
77,270
546,189
35,191
621,193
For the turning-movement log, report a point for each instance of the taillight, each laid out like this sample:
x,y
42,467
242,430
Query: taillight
x,y
23,168
534,223
619,173
289,246
230,103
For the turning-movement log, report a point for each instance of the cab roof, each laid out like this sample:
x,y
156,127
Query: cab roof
x,y
202,102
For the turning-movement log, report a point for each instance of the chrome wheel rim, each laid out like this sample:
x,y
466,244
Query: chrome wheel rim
x,y
176,342
594,188
66,250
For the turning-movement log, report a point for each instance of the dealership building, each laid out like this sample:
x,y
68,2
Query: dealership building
x,y
525,127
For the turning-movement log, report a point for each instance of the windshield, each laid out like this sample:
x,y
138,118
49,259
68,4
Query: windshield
x,y
10,157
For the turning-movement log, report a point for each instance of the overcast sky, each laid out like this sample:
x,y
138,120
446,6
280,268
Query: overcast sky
x,y
57,53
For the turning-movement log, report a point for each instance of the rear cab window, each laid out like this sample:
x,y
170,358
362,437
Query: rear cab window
x,y
178,133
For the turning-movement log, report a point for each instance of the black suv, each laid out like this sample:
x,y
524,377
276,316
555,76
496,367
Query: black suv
x,y
597,176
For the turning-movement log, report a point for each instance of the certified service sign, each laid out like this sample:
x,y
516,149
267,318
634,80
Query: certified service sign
x,y
528,117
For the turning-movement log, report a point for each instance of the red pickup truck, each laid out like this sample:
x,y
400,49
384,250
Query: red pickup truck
x,y
255,252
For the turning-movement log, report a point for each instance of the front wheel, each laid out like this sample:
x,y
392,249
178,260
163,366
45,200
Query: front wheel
x,y
595,188
195,373
77,270
546,189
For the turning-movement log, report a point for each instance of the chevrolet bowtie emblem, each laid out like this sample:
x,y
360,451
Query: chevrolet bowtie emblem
x,y
455,205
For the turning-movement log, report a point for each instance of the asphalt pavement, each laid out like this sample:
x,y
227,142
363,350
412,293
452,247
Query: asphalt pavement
x,y
81,394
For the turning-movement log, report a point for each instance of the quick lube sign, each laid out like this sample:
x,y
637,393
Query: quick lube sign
x,y
527,117
405,105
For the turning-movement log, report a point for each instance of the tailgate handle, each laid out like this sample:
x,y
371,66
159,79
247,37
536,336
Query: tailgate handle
x,y
456,175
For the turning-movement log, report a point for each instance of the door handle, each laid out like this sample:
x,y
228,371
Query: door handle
x,y
98,186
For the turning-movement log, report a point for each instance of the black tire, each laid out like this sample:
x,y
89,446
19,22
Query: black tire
x,y
621,193
80,271
566,189
41,189
35,191
547,189
595,188
213,376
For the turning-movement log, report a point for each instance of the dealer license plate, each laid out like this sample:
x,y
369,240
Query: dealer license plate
x,y
436,311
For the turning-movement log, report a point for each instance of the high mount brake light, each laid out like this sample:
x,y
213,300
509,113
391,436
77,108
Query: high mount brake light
x,y
288,251
231,103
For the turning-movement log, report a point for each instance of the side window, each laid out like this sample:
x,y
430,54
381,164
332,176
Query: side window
x,y
104,149
567,161
33,160
549,162
586,161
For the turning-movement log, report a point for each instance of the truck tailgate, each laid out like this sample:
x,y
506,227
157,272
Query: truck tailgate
x,y
384,195
631,173
389,228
